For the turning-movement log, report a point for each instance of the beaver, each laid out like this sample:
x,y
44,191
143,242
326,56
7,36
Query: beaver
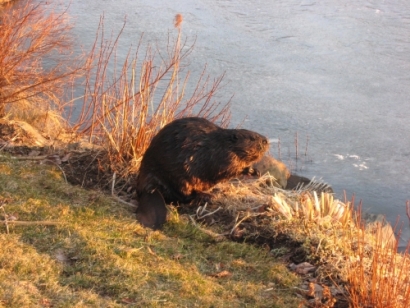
x,y
187,157
276,168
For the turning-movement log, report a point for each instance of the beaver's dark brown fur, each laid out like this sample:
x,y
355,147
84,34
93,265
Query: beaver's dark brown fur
x,y
189,156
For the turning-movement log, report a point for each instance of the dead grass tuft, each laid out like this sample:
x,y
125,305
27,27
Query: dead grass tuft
x,y
357,261
377,274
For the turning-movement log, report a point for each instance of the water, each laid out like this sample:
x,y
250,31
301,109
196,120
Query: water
x,y
334,72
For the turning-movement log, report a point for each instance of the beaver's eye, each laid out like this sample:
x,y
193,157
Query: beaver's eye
x,y
265,141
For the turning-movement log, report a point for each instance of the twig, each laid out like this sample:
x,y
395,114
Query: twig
x,y
123,201
5,219
4,145
29,223
88,166
202,210
256,208
8,142
296,145
245,217
30,157
307,142
318,246
216,236
59,167
408,209
210,213
114,176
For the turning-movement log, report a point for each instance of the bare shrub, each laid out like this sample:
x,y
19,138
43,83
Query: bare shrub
x,y
35,61
122,111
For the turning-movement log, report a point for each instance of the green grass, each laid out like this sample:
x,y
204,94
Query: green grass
x,y
99,256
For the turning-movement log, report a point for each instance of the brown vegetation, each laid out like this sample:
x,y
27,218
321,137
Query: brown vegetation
x,y
122,112
29,36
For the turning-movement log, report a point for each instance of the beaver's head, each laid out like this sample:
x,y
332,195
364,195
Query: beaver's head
x,y
249,146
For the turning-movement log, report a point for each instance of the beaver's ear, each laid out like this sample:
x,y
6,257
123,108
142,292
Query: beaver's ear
x,y
233,137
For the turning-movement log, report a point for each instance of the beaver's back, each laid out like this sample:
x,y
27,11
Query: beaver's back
x,y
193,154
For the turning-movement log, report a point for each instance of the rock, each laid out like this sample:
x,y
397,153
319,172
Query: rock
x,y
381,229
296,181
302,268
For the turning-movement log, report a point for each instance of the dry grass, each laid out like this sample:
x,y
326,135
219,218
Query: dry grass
x,y
377,274
359,261
122,110
31,90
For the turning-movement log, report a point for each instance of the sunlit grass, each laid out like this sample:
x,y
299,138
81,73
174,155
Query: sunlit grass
x,y
360,259
97,254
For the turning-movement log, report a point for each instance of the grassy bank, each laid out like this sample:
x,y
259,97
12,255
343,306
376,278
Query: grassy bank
x,y
88,251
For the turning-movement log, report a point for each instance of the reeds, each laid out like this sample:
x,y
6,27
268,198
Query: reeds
x,y
313,208
377,275
123,104
122,112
